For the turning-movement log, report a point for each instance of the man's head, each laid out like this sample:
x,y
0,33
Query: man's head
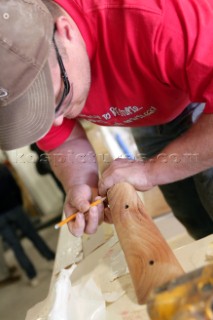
x,y
30,79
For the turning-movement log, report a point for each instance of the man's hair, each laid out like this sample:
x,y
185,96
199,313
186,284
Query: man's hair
x,y
54,9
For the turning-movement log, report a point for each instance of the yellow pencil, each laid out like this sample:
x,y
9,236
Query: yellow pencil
x,y
70,218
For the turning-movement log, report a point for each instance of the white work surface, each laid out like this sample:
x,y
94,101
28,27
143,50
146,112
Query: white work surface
x,y
106,264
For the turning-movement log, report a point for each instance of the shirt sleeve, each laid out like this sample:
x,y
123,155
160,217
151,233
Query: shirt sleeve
x,y
184,50
57,135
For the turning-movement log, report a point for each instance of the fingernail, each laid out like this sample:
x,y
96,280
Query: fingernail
x,y
83,206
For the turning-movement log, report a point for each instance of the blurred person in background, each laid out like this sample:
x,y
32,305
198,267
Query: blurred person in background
x,y
14,218
8,275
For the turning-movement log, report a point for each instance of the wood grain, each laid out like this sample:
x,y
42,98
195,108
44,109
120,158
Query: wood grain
x,y
150,260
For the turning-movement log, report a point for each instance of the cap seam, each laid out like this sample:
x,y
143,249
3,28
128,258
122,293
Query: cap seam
x,y
21,56
37,6
30,84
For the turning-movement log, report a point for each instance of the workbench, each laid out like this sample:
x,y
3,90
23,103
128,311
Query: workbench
x,y
106,266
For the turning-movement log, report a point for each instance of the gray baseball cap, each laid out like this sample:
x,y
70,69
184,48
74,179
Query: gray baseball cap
x,y
26,90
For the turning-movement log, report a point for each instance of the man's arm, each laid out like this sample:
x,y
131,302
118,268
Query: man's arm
x,y
75,166
187,155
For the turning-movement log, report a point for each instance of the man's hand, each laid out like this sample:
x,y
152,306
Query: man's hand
x,y
78,199
132,171
193,150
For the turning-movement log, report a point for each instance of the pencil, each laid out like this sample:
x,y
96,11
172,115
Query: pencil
x,y
70,218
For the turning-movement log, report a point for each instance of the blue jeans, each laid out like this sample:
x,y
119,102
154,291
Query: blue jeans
x,y
4,270
16,219
191,199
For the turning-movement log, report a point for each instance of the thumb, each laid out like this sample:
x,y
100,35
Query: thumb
x,y
83,205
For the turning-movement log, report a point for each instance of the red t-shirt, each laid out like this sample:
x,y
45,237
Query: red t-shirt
x,y
149,60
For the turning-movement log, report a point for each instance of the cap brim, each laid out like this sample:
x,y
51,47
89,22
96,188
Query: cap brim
x,y
28,118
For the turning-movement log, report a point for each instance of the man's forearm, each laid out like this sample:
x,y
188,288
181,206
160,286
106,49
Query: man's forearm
x,y
189,154
74,163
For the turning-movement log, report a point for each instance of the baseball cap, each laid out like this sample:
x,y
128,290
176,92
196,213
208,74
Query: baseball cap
x,y
26,90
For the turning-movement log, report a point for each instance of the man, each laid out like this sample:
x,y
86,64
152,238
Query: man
x,y
116,63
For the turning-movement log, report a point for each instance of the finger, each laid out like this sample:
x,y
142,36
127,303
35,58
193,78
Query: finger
x,y
92,220
104,184
71,207
77,227
79,198
82,205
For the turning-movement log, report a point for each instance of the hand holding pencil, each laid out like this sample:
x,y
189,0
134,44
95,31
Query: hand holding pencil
x,y
82,216
73,216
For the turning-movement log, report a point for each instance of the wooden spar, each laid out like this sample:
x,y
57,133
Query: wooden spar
x,y
150,260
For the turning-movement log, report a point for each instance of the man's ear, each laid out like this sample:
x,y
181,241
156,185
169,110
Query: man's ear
x,y
64,27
